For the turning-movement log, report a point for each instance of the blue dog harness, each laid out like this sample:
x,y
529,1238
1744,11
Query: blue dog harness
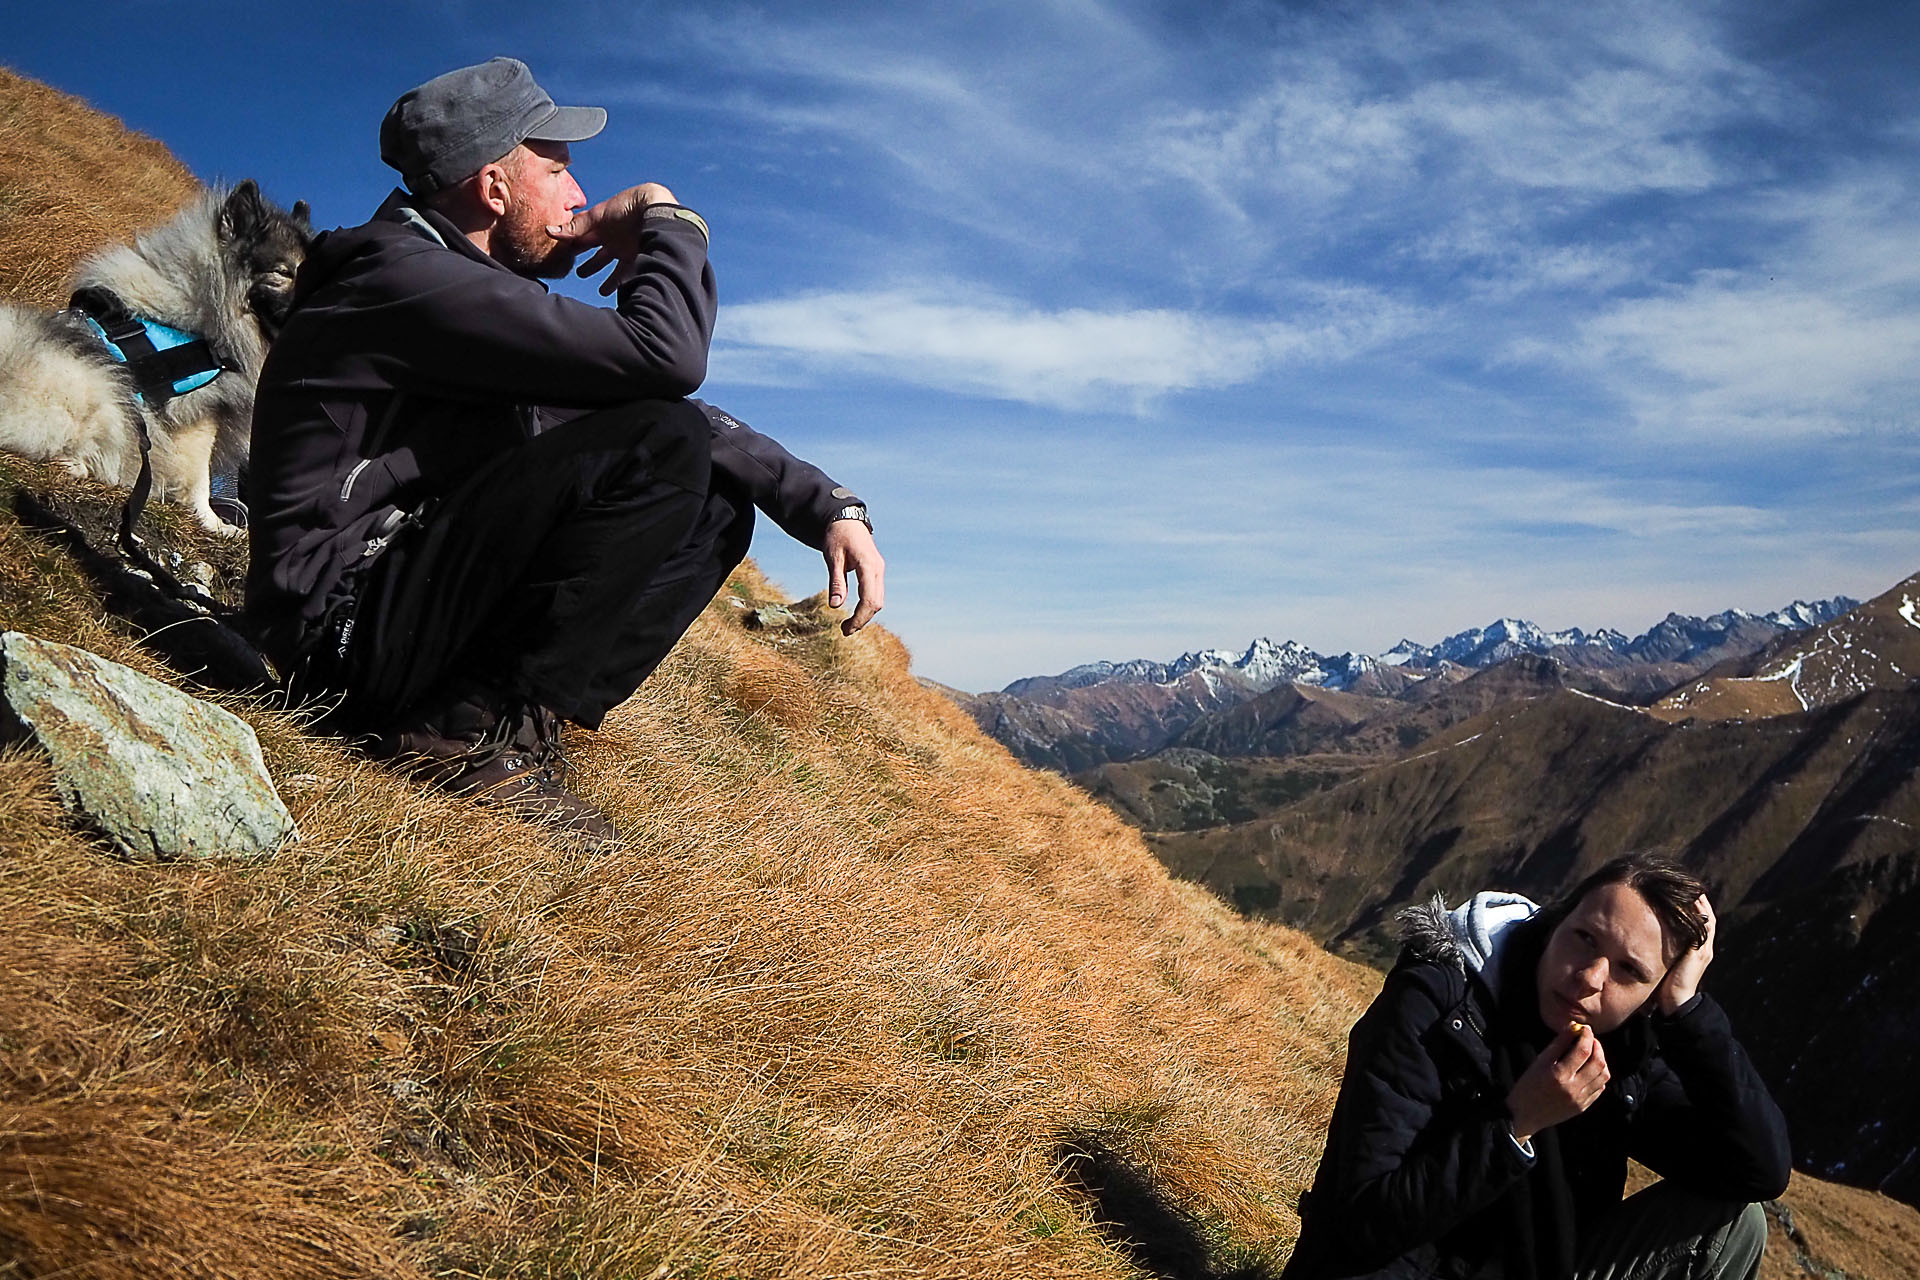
x,y
164,361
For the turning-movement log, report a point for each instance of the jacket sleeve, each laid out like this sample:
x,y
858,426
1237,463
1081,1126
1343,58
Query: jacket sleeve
x,y
1416,1157
799,497
1707,1121
450,327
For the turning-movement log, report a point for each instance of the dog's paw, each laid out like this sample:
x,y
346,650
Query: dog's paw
x,y
214,524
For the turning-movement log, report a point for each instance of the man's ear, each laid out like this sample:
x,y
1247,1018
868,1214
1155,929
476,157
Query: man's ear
x,y
493,188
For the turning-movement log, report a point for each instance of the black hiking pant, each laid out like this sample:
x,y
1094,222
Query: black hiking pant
x,y
562,571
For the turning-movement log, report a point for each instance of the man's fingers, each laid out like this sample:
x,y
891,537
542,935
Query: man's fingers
x,y
872,597
582,226
601,257
617,277
836,575
862,614
871,571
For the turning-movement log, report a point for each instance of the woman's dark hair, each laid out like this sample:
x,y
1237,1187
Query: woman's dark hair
x,y
1672,893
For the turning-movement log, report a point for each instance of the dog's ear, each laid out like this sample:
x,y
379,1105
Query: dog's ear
x,y
302,217
244,212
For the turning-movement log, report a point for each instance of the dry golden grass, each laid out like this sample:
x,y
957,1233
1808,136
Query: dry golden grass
x,y
852,988
1727,698
859,996
847,1002
71,180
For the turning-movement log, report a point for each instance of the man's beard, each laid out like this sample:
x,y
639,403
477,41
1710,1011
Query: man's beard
x,y
528,250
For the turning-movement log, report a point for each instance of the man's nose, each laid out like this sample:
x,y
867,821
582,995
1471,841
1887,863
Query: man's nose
x,y
576,198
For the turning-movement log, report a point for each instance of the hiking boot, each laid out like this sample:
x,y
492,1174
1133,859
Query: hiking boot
x,y
515,782
497,751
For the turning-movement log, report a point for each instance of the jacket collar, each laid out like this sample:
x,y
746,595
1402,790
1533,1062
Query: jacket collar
x,y
1472,938
401,207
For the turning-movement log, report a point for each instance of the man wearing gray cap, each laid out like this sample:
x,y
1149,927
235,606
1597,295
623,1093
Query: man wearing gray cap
x,y
478,507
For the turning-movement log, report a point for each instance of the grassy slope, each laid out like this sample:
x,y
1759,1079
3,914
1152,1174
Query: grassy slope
x,y
855,980
72,179
855,987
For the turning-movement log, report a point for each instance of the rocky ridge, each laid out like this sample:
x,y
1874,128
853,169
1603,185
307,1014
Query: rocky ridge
x,y
1101,712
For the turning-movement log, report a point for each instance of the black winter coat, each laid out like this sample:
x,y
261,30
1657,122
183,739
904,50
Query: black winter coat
x,y
411,357
1421,1176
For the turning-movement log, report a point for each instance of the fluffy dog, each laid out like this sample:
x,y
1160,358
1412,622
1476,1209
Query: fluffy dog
x,y
221,271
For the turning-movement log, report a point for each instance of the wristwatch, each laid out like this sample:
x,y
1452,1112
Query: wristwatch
x,y
854,511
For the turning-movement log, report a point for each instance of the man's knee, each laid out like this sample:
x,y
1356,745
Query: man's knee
x,y
1746,1241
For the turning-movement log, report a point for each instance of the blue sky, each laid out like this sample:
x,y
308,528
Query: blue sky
x,y
1146,328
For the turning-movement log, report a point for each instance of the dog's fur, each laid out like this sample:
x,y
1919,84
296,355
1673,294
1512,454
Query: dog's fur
x,y
223,271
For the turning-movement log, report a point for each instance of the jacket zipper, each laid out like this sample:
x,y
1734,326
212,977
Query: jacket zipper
x,y
346,486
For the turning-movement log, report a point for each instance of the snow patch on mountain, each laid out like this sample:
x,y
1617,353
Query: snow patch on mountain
x,y
1266,664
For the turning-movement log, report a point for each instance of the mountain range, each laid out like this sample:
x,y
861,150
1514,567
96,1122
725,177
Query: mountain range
x,y
1101,712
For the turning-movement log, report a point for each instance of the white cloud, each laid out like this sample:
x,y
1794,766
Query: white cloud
x,y
1822,340
1005,349
1734,357
1481,129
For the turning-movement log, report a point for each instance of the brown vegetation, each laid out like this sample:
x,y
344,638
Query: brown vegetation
x,y
74,179
854,990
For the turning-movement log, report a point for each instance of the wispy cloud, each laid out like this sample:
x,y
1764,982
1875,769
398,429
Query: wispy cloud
x,y
1473,127
1075,358
1818,336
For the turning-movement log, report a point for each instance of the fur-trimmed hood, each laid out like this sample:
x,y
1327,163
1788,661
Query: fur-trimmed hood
x,y
1469,937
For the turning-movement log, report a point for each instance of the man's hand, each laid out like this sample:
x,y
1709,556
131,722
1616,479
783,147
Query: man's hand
x,y
612,230
1566,1079
851,549
1683,980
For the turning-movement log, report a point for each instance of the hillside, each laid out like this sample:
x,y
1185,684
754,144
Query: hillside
x,y
854,989
1876,646
862,996
75,179
859,996
1243,763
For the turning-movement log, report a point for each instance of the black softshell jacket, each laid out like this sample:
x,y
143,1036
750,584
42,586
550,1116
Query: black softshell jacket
x,y
1420,1168
411,357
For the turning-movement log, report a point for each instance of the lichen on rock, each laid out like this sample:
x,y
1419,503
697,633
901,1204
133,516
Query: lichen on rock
x,y
161,773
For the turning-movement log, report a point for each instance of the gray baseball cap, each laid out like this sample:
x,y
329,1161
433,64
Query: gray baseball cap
x,y
452,126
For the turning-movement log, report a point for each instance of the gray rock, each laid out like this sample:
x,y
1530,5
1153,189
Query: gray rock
x,y
161,773
769,616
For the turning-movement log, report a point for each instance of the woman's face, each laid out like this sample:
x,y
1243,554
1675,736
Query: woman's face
x,y
1604,961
